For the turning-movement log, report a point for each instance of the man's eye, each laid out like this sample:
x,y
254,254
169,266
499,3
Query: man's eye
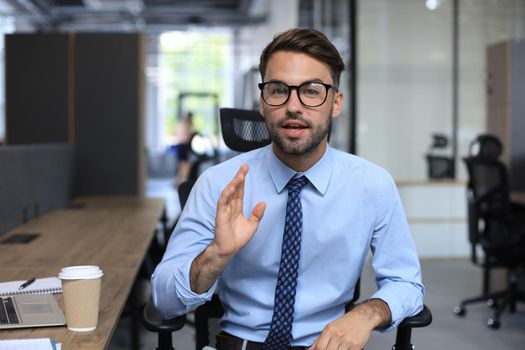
x,y
278,91
311,92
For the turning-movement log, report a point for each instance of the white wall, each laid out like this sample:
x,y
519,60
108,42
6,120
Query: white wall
x,y
405,95
250,41
436,214
405,76
404,83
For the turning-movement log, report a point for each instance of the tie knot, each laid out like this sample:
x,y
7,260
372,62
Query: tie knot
x,y
296,184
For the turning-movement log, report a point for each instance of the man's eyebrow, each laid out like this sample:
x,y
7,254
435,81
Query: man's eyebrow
x,y
315,80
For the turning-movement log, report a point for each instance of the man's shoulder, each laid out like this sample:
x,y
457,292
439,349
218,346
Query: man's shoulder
x,y
351,163
359,172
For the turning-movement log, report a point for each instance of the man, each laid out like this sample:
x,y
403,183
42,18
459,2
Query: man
x,y
185,134
230,235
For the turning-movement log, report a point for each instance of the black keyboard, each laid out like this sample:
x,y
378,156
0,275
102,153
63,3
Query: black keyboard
x,y
7,311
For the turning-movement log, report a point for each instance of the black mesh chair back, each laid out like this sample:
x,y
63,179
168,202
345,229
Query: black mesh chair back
x,y
495,223
486,147
488,188
243,130
489,202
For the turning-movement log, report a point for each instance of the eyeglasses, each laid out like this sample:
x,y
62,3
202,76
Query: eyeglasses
x,y
311,94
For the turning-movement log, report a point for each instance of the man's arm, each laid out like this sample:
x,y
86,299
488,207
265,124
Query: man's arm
x,y
352,330
398,276
232,232
192,262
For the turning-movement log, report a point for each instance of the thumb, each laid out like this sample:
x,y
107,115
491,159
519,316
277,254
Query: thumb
x,y
257,213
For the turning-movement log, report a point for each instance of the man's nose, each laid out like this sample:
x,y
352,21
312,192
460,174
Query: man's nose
x,y
294,103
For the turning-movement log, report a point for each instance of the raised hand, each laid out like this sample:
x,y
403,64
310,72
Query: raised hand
x,y
232,232
232,229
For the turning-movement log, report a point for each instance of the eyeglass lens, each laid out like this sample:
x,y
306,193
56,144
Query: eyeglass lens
x,y
310,94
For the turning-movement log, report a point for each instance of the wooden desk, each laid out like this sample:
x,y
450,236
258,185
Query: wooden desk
x,y
112,232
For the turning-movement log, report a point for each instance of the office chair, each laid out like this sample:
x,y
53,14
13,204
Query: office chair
x,y
494,223
154,322
244,130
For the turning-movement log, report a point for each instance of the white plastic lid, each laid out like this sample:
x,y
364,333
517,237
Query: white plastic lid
x,y
80,272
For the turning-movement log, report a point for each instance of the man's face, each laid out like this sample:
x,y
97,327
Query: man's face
x,y
295,129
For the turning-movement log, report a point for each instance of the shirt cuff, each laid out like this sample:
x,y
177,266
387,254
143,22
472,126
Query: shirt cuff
x,y
188,297
396,311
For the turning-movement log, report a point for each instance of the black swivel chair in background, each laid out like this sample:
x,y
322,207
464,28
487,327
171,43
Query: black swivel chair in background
x,y
245,130
495,224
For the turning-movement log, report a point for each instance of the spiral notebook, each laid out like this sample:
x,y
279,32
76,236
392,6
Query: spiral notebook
x,y
33,344
46,285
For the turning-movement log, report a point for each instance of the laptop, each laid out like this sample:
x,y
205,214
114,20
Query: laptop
x,y
31,310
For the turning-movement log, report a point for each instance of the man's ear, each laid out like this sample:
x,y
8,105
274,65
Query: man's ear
x,y
337,104
261,109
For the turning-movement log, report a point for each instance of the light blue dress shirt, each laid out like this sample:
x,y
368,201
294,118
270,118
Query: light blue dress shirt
x,y
349,206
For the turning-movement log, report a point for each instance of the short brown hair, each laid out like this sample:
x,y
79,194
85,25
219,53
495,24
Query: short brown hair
x,y
308,41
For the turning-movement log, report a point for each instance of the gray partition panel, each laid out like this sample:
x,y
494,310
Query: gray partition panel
x,y
36,76
51,176
14,186
108,113
34,179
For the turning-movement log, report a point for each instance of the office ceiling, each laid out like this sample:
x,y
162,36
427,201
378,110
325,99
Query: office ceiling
x,y
144,15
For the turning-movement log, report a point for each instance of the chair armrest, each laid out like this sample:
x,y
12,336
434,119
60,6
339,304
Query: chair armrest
x,y
154,322
404,330
422,319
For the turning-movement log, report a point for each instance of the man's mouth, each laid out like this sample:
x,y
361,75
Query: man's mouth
x,y
294,128
294,125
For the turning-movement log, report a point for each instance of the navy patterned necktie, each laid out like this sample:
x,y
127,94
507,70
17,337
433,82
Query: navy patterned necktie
x,y
280,333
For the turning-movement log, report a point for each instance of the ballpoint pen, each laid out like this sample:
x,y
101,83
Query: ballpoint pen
x,y
26,283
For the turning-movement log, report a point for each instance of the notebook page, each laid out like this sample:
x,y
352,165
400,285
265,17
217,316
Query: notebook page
x,y
28,344
40,286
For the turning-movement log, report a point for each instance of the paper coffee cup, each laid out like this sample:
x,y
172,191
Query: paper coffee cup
x,y
81,287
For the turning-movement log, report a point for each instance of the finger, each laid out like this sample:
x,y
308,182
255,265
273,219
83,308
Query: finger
x,y
239,194
257,213
321,343
335,345
226,196
229,192
238,182
239,188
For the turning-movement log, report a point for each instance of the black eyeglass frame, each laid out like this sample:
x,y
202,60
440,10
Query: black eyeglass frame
x,y
297,89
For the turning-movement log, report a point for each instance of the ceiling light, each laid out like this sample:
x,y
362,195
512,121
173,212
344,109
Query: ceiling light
x,y
432,4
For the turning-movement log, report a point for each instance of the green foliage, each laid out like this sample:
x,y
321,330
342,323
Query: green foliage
x,y
193,62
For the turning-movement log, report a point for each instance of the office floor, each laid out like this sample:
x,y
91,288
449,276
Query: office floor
x,y
447,282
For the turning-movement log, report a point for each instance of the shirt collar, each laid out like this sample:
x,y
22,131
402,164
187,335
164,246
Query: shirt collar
x,y
319,174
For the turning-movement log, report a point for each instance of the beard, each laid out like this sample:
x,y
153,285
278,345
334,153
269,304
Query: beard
x,y
297,146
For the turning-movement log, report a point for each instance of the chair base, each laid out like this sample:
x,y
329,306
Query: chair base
x,y
500,301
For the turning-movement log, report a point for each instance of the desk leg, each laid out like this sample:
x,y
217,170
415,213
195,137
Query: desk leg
x,y
135,326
